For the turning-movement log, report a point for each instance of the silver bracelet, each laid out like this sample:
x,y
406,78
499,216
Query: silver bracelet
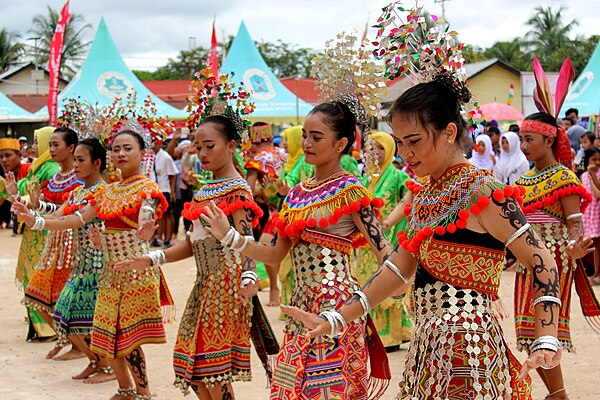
x,y
336,322
364,302
40,224
78,213
226,240
249,276
574,216
396,270
516,234
546,342
549,299
41,205
157,257
147,207
247,239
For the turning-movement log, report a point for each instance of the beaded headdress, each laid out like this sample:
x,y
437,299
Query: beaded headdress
x,y
346,73
423,50
216,95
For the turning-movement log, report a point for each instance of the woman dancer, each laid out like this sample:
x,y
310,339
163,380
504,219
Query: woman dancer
x,y
591,217
74,310
212,349
390,318
512,162
56,262
553,203
128,309
459,224
320,222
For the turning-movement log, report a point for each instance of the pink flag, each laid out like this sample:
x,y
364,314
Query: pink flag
x,y
56,49
213,60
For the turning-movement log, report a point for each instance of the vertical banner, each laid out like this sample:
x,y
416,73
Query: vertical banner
x,y
56,49
213,59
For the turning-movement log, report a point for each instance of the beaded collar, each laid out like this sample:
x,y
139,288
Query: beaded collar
x,y
82,196
57,188
445,204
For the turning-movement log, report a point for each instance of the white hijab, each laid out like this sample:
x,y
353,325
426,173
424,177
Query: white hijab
x,y
512,163
483,161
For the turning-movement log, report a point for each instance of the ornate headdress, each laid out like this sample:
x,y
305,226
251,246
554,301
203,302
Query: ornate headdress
x,y
542,96
346,73
10,143
213,95
423,51
260,132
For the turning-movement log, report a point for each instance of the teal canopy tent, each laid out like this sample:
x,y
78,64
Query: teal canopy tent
x,y
274,102
584,93
105,76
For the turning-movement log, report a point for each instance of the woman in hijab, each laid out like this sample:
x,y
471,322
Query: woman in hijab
x,y
483,156
512,162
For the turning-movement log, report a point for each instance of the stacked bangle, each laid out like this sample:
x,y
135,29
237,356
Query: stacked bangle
x,y
157,257
235,241
336,322
396,270
249,276
549,299
364,302
46,207
516,234
545,343
39,224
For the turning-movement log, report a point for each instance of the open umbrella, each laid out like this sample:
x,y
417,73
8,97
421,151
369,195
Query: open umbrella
x,y
500,112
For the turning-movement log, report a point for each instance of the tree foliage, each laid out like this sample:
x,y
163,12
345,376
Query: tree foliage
x,y
10,50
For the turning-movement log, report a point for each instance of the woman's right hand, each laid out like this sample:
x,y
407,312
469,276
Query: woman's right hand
x,y
23,212
315,325
138,263
35,192
217,221
282,188
10,184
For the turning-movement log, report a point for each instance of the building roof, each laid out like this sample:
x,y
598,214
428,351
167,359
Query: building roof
x,y
174,92
29,102
15,69
474,69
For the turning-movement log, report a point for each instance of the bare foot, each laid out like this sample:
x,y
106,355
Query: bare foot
x,y
90,370
273,298
52,353
72,354
100,377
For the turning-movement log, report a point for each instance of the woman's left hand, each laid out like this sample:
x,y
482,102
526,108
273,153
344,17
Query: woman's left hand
x,y
249,290
146,231
538,359
315,325
217,221
580,248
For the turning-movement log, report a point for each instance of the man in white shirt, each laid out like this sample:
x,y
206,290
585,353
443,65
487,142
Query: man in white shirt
x,y
164,173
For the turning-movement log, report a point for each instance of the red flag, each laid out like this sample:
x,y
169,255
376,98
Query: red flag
x,y
56,49
213,60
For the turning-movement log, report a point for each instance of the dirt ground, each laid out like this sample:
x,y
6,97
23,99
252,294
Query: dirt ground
x,y
26,374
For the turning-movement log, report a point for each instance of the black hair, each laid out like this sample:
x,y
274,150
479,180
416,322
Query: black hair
x,y
69,136
569,119
493,129
227,126
572,110
588,154
433,105
545,118
340,119
129,132
96,150
590,135
514,128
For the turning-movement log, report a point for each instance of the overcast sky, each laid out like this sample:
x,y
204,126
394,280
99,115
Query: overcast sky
x,y
148,32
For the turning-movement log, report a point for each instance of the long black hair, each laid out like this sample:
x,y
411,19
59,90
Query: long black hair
x,y
340,119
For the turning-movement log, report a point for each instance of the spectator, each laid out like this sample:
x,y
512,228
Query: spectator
x,y
514,128
23,143
164,174
10,158
574,131
494,133
483,156
568,122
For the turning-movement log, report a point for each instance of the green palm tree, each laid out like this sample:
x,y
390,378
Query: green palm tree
x,y
548,31
511,53
74,47
10,50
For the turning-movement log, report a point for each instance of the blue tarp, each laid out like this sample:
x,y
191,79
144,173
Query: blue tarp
x,y
104,76
584,93
274,102
10,112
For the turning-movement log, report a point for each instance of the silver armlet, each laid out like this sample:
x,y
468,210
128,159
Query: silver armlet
x,y
516,234
396,270
574,216
549,299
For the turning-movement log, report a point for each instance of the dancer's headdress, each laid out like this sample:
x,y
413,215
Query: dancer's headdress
x,y
542,96
261,132
213,95
423,51
346,73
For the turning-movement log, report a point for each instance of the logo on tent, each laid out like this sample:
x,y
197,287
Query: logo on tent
x,y
584,81
259,83
113,84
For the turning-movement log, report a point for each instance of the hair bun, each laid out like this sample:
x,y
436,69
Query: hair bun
x,y
459,89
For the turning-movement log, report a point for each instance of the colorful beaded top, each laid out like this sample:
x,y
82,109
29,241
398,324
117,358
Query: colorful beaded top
x,y
229,194
544,189
311,204
81,197
120,202
58,188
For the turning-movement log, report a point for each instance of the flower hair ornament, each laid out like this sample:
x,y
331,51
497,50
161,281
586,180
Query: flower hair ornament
x,y
347,73
216,95
423,51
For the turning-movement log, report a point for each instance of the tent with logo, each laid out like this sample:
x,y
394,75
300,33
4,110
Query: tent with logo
x,y
104,76
274,102
584,93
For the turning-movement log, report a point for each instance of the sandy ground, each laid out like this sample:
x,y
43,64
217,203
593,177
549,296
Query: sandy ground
x,y
26,374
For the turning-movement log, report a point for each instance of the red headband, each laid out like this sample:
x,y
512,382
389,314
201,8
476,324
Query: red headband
x,y
562,149
538,127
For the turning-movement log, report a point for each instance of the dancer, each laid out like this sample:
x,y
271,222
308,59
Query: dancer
x,y
512,162
212,349
74,311
591,217
390,317
320,222
32,242
128,308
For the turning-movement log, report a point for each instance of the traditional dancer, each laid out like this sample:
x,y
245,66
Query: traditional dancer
x,y
553,203
459,224
56,262
128,308
390,317
74,310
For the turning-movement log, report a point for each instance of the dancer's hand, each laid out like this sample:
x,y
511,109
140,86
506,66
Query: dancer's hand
x,y
10,184
35,192
315,325
23,212
580,248
539,358
249,290
139,263
146,231
217,221
93,233
282,188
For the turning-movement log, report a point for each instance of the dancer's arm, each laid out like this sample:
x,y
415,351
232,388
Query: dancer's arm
x,y
180,251
397,214
61,222
368,224
578,246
